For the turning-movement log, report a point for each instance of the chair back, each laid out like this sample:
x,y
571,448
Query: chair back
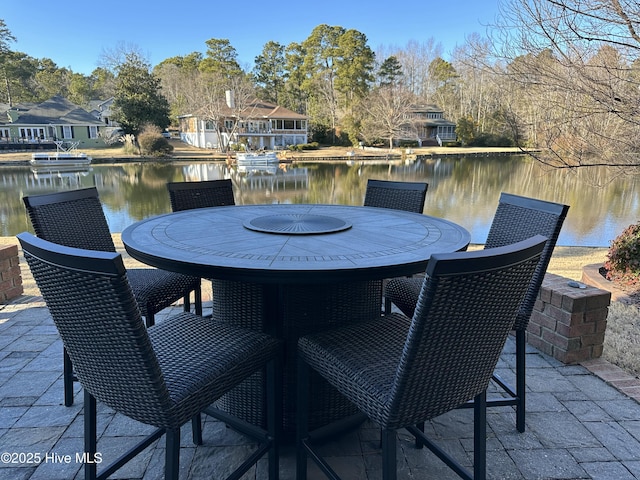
x,y
407,196
464,314
518,218
73,218
211,193
101,327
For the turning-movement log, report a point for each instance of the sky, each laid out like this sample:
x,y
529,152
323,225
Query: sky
x,y
77,34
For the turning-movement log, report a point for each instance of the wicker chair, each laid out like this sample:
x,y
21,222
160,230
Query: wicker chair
x,y
401,372
188,195
516,218
407,196
162,376
210,193
76,219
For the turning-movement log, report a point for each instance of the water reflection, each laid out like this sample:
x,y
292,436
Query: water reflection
x,y
464,190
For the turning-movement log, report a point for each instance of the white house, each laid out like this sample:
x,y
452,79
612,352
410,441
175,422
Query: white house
x,y
258,125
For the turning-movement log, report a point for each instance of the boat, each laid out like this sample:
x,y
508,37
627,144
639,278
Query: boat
x,y
61,157
261,159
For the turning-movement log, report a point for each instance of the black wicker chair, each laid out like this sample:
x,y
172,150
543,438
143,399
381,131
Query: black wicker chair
x,y
516,218
76,219
162,376
401,372
211,193
408,196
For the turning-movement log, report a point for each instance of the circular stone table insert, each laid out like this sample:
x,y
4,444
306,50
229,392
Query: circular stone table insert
x,y
297,224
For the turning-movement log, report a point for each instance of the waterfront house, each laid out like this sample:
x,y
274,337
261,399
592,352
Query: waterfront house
x,y
430,125
257,125
57,119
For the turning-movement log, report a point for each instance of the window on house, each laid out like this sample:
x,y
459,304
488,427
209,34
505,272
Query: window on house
x,y
32,134
289,124
67,131
93,131
4,134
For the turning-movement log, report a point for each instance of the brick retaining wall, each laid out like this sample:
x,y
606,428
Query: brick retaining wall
x,y
10,278
569,323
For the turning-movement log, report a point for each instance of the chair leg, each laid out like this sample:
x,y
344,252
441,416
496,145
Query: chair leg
x,y
418,442
480,436
67,378
274,415
302,418
521,379
90,436
196,429
197,299
149,318
389,471
186,302
172,458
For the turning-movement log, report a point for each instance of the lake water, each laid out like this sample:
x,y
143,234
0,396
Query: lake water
x,y
462,189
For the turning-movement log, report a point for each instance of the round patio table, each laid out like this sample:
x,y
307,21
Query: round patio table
x,y
292,270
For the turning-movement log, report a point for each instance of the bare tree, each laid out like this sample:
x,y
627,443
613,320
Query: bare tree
x,y
573,63
388,115
204,96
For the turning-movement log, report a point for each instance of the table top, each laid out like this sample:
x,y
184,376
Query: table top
x,y
292,243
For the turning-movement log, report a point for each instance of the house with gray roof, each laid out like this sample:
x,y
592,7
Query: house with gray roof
x,y
429,125
56,119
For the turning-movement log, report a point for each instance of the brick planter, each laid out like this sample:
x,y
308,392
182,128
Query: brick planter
x,y
569,323
591,276
10,278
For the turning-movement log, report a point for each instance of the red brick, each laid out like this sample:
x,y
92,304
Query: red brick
x,y
8,251
14,292
596,315
595,339
5,264
596,351
602,299
556,340
600,327
577,356
558,314
556,298
12,272
544,321
533,328
574,302
545,295
581,330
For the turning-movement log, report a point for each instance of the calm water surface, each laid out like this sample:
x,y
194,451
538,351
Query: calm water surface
x,y
464,190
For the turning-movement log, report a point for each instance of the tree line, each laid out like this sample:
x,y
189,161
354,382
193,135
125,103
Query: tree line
x,y
556,76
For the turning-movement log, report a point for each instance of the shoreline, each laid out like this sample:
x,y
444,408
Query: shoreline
x,y
183,152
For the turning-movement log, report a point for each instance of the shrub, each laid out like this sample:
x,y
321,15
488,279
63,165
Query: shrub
x,y
623,258
304,146
152,142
